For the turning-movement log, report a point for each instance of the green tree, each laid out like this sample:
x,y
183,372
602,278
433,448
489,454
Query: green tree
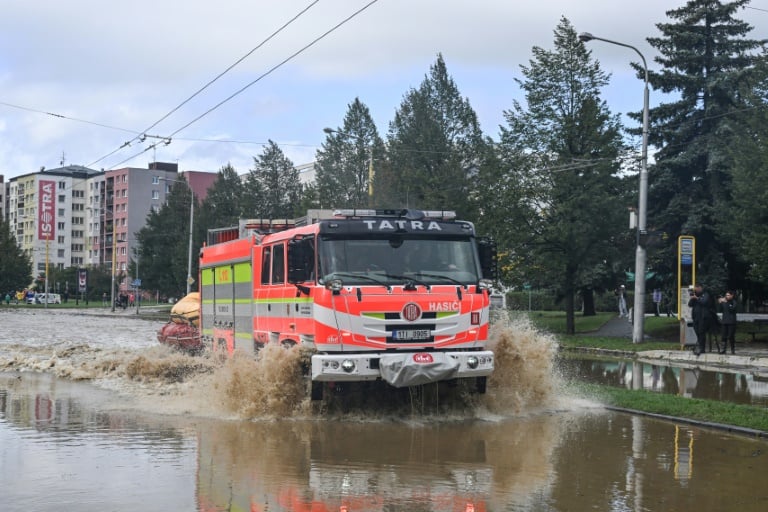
x,y
15,265
562,209
224,204
750,167
435,148
164,245
709,67
274,184
346,159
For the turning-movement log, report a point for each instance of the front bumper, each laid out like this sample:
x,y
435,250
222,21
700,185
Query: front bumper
x,y
355,367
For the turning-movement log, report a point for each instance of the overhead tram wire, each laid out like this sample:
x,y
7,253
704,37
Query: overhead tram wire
x,y
210,82
61,116
258,79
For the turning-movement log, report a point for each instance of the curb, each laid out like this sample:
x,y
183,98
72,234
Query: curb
x,y
705,424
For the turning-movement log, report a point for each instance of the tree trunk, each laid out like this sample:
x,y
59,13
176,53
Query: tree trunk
x,y
570,277
588,296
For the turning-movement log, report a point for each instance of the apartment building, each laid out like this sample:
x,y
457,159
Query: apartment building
x,y
48,214
75,216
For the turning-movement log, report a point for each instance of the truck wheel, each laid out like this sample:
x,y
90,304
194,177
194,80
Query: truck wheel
x,y
480,384
317,391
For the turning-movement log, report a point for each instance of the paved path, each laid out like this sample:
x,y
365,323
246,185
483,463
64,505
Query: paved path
x,y
748,355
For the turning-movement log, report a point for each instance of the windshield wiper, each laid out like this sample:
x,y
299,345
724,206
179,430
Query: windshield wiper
x,y
440,276
361,276
410,282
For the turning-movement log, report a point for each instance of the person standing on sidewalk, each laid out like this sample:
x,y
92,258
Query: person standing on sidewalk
x,y
701,310
657,301
621,292
728,321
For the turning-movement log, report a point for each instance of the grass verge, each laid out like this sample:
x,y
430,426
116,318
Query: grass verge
x,y
747,416
620,344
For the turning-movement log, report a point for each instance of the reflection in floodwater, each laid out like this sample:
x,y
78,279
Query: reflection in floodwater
x,y
376,466
61,450
145,433
725,384
64,447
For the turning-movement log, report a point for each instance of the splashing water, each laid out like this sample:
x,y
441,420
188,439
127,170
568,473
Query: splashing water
x,y
524,377
121,354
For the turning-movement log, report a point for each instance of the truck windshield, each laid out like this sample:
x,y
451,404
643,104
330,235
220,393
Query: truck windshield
x,y
394,259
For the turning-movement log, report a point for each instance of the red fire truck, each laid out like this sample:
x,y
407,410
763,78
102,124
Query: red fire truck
x,y
397,295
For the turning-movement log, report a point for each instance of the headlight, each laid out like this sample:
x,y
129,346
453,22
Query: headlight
x,y
485,284
473,362
334,285
348,365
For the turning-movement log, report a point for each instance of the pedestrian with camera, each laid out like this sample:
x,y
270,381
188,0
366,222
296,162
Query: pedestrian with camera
x,y
702,308
727,305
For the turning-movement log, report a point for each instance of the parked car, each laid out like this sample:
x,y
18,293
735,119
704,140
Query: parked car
x,y
51,298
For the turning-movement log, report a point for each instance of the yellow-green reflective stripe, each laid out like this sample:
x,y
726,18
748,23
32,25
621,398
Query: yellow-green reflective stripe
x,y
243,273
227,301
223,275
444,314
379,316
241,335
206,277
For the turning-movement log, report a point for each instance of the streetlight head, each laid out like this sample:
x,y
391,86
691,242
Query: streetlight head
x,y
585,37
329,130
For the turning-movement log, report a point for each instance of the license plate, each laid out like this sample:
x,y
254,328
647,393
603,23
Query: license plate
x,y
411,334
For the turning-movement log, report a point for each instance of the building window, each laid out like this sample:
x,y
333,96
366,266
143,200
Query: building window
x,y
155,194
61,212
122,251
60,239
60,225
125,192
60,253
62,198
125,180
155,180
62,185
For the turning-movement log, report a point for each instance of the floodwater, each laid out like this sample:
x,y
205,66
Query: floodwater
x,y
94,416
723,384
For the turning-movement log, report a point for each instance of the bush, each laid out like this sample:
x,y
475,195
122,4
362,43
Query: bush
x,y
546,300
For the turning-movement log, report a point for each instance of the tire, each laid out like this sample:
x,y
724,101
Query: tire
x,y
316,393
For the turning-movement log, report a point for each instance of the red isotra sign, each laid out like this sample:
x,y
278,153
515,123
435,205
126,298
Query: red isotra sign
x,y
46,210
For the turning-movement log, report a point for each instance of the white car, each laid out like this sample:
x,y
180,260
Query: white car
x,y
51,298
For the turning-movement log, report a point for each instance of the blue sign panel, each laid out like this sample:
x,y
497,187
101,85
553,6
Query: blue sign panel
x,y
686,259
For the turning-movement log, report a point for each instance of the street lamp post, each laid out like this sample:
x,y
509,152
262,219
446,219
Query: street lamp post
x,y
642,207
191,220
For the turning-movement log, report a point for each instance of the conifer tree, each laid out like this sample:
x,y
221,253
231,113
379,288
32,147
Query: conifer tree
x,y
435,147
348,160
709,68
276,182
564,207
15,265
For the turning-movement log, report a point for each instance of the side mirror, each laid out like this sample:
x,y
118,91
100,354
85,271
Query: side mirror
x,y
301,259
486,248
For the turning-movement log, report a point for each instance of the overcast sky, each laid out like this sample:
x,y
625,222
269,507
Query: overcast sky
x,y
113,69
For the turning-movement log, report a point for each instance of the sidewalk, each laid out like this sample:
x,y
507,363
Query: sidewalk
x,y
750,355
